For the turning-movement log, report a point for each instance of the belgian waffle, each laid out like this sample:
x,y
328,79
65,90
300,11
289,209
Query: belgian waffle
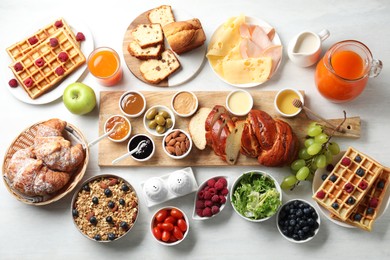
x,y
19,49
39,77
348,183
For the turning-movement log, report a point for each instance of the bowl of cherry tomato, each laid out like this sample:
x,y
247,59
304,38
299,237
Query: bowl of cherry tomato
x,y
169,226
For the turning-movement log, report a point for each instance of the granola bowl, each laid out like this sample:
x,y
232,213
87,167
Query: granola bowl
x,y
105,208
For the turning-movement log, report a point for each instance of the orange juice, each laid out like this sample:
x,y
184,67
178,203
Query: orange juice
x,y
104,64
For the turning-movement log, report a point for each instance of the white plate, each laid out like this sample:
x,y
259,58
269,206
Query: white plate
x,y
86,47
276,40
191,61
317,181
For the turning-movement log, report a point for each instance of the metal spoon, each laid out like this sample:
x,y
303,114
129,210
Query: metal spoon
x,y
105,135
139,147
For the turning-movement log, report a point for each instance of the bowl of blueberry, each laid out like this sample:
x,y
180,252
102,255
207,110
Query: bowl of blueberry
x,y
298,221
105,208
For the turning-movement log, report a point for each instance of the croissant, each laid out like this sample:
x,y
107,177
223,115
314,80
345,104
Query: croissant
x,y
271,141
31,177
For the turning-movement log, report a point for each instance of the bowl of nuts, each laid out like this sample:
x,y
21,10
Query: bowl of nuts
x,y
105,208
158,120
177,143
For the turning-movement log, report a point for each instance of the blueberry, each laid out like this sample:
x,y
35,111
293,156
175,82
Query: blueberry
x,y
324,176
306,229
333,178
75,213
310,222
335,205
111,204
108,192
299,213
125,188
86,188
357,217
95,200
330,167
97,237
358,158
285,232
293,211
109,219
316,225
307,211
360,172
122,202
370,211
93,220
295,237
381,184
124,225
111,236
296,203
290,229
351,201
314,215
292,222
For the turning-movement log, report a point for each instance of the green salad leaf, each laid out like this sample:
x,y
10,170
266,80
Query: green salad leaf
x,y
256,196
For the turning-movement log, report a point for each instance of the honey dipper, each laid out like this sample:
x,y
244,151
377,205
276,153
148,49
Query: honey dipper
x,y
298,103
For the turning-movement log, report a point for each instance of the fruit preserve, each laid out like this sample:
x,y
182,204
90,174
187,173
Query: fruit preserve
x,y
145,151
122,130
132,103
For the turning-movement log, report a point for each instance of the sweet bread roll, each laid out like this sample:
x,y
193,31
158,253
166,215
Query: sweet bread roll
x,y
184,36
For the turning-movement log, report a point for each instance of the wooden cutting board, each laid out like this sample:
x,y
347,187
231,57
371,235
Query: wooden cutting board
x,y
108,150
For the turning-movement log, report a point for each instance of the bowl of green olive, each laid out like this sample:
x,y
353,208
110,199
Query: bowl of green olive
x,y
158,120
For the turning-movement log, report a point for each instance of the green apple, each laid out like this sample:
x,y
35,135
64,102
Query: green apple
x,y
79,98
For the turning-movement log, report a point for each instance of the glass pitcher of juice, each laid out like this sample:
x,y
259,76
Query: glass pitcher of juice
x,y
342,74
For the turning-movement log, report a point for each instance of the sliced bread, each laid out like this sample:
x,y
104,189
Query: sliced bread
x,y
156,70
162,15
153,52
197,129
147,35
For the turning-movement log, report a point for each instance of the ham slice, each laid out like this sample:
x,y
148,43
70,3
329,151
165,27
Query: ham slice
x,y
275,52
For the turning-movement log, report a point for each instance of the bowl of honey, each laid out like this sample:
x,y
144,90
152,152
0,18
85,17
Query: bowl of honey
x,y
132,103
284,102
122,130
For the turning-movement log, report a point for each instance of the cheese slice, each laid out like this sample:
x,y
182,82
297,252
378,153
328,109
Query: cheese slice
x,y
252,70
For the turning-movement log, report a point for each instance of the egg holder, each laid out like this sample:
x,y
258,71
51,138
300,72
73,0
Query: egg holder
x,y
173,185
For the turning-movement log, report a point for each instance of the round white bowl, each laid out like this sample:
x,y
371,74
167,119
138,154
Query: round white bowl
x,y
159,108
151,143
318,220
280,92
192,111
177,157
237,182
127,93
127,135
250,100
152,225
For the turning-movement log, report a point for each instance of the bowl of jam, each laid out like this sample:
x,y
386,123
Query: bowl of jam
x,y
145,151
132,103
122,131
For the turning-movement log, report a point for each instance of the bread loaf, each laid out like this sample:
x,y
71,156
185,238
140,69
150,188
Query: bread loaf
x,y
162,15
153,52
156,70
147,35
184,36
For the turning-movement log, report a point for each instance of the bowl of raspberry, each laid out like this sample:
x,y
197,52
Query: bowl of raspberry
x,y
211,198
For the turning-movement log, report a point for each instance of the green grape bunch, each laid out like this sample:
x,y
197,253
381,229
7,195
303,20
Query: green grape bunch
x,y
318,152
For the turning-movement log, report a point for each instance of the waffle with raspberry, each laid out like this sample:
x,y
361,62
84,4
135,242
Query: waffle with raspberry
x,y
19,49
348,183
39,70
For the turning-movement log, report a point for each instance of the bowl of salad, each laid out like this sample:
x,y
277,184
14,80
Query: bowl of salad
x,y
256,196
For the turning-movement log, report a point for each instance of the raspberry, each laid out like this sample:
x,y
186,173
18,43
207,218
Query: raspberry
x,y
207,212
206,188
224,191
346,161
222,199
212,191
215,210
28,82
208,203
39,62
60,71
199,212
58,24
33,40
348,187
63,56
80,37
215,198
320,194
207,195
199,204
53,42
201,194
211,183
218,185
363,185
223,181
13,83
18,67
373,203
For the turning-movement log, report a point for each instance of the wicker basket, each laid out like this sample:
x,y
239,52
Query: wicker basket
x,y
25,140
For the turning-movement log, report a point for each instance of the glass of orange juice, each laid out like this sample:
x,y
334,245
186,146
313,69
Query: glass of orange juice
x,y
342,74
105,65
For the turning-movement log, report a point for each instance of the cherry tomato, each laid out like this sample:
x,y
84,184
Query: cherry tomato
x,y
177,233
159,225
176,213
167,226
161,215
172,239
165,236
182,225
171,220
157,233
